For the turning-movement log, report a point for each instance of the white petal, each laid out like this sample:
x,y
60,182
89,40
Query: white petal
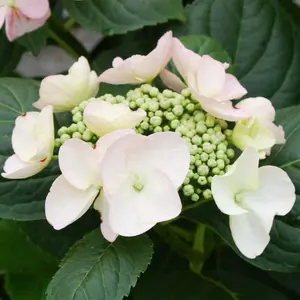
x,y
65,204
101,205
172,81
124,217
232,89
107,140
165,151
114,169
14,168
103,117
151,65
79,164
258,107
277,131
159,200
210,77
249,234
243,175
3,11
276,193
222,110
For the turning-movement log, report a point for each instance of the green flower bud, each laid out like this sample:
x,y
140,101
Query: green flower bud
x,y
228,132
144,125
203,170
174,124
166,128
199,115
82,105
216,171
220,164
195,197
222,147
196,176
198,162
186,181
190,107
145,88
207,147
211,163
158,129
209,179
193,149
144,106
57,143
75,110
153,106
77,117
210,131
167,93
73,128
185,93
76,135
154,92
210,121
188,190
94,139
204,157
64,137
212,155
178,110
140,130
155,121
139,102
192,159
207,194
62,130
150,114
159,113
196,140
165,104
222,123
133,105
230,153
201,128
202,180
190,174
170,116
87,135
206,137
221,154
190,134
81,128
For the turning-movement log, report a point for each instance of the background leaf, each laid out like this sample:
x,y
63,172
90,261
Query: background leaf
x,y
95,269
261,39
20,199
109,17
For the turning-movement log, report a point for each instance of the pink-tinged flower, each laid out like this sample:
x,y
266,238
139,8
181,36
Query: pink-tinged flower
x,y
139,68
22,16
208,81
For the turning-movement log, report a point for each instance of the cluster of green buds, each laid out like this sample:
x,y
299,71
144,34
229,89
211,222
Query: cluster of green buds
x,y
77,129
208,137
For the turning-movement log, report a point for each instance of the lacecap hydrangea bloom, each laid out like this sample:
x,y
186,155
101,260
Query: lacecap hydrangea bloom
x,y
138,158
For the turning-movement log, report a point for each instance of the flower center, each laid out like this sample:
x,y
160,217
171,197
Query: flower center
x,y
138,185
238,198
10,3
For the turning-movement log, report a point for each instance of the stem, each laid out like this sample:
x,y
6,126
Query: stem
x,y
191,206
70,24
199,246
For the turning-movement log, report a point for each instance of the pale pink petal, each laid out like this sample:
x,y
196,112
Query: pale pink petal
x,y
124,216
15,168
210,77
101,205
249,234
232,89
122,71
222,110
164,151
65,203
258,107
3,11
172,81
79,164
33,9
151,65
18,24
184,59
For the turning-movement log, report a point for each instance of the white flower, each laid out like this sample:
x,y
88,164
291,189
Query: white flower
x,y
32,142
64,92
73,192
252,196
266,133
102,117
208,81
140,68
140,177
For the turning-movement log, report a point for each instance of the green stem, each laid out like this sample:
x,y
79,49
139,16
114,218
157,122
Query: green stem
x,y
191,206
70,24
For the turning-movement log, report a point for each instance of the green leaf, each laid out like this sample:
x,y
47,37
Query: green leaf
x,y
261,39
35,41
26,287
202,44
10,54
288,281
20,199
95,269
287,156
19,255
109,17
